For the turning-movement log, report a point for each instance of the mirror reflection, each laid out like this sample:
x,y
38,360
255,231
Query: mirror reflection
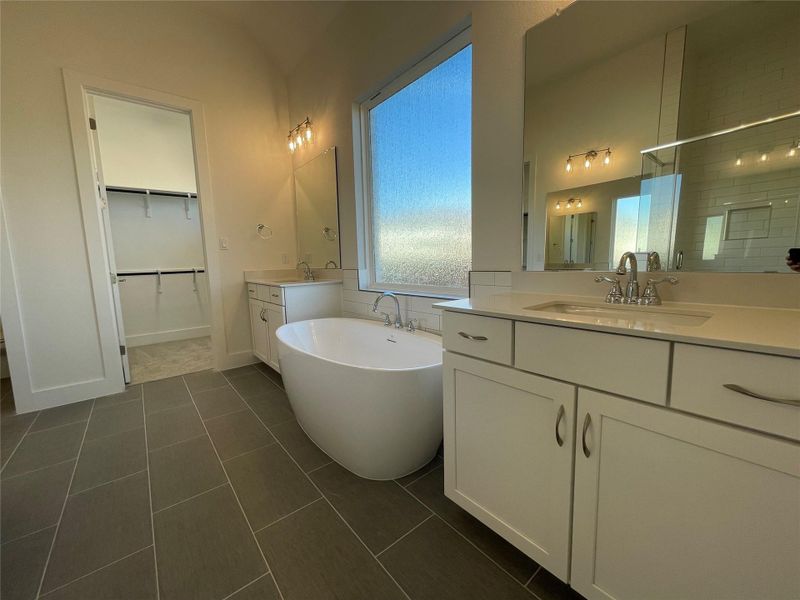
x,y
316,198
675,131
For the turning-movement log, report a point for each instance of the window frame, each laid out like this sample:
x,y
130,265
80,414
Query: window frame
x,y
423,67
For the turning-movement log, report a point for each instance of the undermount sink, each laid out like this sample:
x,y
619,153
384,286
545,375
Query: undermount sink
x,y
635,317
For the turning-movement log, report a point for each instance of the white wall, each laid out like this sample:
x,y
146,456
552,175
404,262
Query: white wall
x,y
145,146
370,43
171,47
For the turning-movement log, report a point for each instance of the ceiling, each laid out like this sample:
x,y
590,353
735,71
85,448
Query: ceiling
x,y
286,30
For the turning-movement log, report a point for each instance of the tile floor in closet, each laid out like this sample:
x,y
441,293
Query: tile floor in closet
x,y
205,487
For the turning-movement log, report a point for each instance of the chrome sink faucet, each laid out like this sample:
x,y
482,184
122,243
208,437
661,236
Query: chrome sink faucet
x,y
398,321
632,287
307,274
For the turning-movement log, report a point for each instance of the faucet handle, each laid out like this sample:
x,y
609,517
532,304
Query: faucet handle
x,y
387,320
614,295
412,325
650,296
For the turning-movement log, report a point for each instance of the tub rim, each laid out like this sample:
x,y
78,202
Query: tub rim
x,y
429,336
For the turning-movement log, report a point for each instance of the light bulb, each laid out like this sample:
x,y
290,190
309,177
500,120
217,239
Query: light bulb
x,y
587,163
793,150
298,140
764,157
308,132
558,205
569,166
607,158
738,161
580,203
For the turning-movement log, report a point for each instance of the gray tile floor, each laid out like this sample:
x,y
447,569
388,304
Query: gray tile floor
x,y
205,487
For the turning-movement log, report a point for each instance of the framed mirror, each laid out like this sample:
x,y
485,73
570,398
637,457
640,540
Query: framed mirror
x,y
317,204
674,130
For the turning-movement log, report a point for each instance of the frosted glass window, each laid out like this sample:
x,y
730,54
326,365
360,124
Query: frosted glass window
x,y
420,180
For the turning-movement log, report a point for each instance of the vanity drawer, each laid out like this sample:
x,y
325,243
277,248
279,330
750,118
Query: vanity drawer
x,y
262,292
252,290
483,337
699,375
275,295
624,365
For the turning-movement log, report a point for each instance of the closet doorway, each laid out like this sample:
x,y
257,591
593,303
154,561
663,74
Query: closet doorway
x,y
143,157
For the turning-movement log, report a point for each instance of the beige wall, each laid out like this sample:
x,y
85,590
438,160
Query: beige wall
x,y
171,47
371,43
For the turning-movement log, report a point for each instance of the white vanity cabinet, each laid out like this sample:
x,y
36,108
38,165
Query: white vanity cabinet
x,y
682,489
671,506
273,305
258,329
508,452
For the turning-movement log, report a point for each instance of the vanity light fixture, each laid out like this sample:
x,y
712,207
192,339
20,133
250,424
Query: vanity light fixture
x,y
300,135
764,157
739,161
588,158
794,148
579,204
558,204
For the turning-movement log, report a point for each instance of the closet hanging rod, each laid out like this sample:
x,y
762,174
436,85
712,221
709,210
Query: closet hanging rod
x,y
162,271
144,191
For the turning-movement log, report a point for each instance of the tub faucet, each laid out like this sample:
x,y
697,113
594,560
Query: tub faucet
x,y
307,274
632,288
398,321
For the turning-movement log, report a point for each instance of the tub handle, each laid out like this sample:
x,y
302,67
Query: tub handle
x,y
474,338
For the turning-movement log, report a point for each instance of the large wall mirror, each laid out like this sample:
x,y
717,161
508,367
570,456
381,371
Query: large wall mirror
x,y
316,198
668,127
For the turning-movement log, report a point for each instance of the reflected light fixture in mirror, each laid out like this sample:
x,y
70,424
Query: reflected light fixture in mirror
x,y
300,135
588,158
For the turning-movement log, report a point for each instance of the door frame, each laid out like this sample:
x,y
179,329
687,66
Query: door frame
x,y
78,86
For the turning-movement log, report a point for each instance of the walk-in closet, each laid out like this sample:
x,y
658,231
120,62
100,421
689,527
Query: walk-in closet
x,y
152,218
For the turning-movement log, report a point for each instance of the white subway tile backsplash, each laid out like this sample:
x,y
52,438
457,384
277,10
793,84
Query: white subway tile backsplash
x,y
482,278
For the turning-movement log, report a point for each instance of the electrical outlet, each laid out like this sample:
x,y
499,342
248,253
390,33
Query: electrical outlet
x,y
223,243
284,258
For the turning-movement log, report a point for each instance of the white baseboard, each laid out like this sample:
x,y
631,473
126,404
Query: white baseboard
x,y
238,359
171,335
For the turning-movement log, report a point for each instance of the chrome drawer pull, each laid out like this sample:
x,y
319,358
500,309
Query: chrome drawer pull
x,y
739,389
475,338
587,421
559,416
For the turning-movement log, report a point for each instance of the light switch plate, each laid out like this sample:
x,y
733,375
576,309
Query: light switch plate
x,y
223,243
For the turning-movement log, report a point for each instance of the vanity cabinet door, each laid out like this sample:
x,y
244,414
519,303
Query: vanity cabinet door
x,y
276,319
508,454
672,506
259,330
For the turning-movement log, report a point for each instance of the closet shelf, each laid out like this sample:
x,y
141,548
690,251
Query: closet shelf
x,y
151,192
159,271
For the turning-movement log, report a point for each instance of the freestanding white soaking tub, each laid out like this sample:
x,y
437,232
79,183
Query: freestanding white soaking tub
x,y
368,395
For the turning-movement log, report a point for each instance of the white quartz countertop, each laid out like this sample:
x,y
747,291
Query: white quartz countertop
x,y
291,282
756,329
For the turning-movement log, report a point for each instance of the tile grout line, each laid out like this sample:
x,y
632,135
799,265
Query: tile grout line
x,y
416,479
191,439
287,515
407,533
535,573
22,537
465,538
150,496
315,469
272,443
24,473
333,508
228,479
203,493
84,576
64,504
19,443
94,487
247,585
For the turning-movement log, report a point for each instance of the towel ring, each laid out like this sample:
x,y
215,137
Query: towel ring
x,y
264,231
